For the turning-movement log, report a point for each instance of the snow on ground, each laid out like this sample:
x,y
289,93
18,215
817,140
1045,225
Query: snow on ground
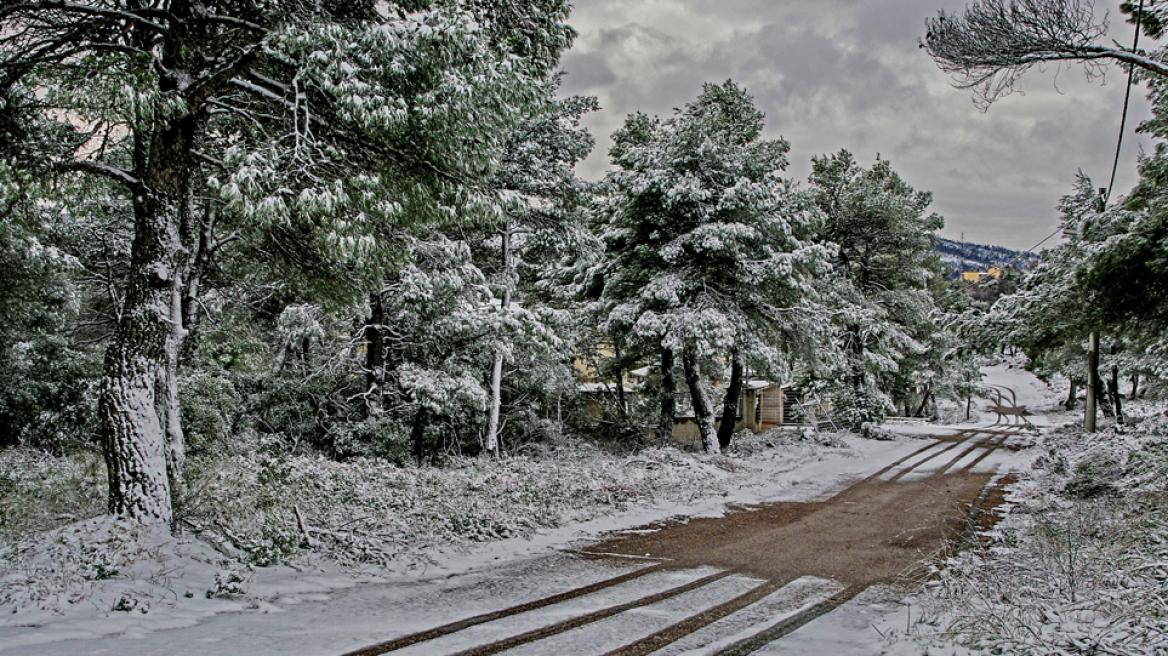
x,y
156,594
169,583
1041,399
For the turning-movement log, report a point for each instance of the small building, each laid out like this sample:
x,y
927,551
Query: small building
x,y
994,272
763,405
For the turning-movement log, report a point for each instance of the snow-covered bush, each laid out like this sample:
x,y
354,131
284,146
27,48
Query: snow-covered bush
x,y
371,512
246,512
1080,577
68,562
39,492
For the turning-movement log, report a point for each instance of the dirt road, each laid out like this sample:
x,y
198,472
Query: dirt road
x,y
739,584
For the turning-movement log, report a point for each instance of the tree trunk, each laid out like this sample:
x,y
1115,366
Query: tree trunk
x,y
497,369
856,352
730,403
418,436
703,411
620,381
140,424
374,336
924,402
199,262
492,445
1072,399
1135,381
1113,392
1089,419
668,396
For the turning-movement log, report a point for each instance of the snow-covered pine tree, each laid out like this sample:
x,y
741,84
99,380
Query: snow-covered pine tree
x,y
704,256
883,238
543,216
332,119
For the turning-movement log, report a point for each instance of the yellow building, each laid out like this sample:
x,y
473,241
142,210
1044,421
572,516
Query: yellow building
x,y
975,276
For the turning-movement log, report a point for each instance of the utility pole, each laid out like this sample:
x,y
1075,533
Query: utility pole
x,y
1092,380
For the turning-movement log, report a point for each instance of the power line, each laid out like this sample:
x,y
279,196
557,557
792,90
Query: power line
x,y
1114,166
1007,264
1131,71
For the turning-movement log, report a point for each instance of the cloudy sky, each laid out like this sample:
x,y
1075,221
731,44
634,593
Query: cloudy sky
x,y
838,74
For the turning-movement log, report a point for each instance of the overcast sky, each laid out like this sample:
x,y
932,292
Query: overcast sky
x,y
838,74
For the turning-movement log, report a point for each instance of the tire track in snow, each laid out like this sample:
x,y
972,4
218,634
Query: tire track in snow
x,y
576,622
669,635
790,624
454,627
959,447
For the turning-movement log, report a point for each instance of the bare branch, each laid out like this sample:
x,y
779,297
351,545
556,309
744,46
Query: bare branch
x,y
994,42
71,7
99,168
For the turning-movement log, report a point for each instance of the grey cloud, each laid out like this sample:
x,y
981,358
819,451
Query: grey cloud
x,y
587,71
848,74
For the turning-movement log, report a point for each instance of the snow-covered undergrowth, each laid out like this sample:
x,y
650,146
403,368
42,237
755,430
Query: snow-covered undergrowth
x,y
39,492
251,525
373,513
1079,563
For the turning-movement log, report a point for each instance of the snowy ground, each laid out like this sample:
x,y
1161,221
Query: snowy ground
x,y
317,608
167,586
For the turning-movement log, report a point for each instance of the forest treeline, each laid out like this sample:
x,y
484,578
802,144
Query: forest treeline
x,y
353,229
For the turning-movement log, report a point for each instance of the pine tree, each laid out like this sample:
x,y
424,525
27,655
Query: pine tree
x,y
327,123
883,238
705,255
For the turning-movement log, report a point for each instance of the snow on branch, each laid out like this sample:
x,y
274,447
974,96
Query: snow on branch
x,y
989,46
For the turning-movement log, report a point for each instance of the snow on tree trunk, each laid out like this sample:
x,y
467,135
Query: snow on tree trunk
x,y
496,402
141,432
668,400
703,410
169,409
730,403
140,426
497,369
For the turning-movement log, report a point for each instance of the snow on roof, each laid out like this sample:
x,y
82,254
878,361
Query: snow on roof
x,y
592,388
640,372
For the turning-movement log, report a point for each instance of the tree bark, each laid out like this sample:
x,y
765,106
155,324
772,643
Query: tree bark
x,y
668,396
730,403
924,401
140,423
856,349
200,259
1089,419
374,356
1113,392
620,381
1072,399
703,411
497,369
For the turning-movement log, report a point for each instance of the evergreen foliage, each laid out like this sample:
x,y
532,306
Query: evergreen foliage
x,y
707,251
884,310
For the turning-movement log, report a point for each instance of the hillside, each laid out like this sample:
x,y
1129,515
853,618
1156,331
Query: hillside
x,y
964,256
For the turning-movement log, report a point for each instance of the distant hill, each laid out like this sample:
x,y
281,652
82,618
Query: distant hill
x,y
964,256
